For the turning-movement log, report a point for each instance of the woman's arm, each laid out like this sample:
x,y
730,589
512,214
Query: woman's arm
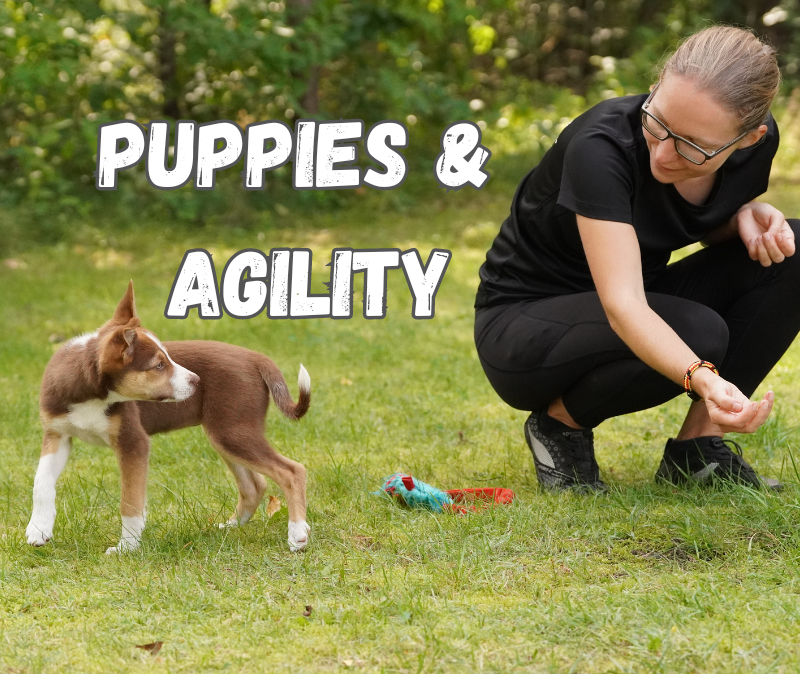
x,y
612,251
722,233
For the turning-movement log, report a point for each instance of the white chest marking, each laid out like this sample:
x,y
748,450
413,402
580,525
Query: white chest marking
x,y
88,421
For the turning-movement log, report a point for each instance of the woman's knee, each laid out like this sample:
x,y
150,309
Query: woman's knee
x,y
793,263
783,278
700,327
710,340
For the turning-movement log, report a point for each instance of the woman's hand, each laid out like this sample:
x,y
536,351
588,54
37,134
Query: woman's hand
x,y
765,232
729,408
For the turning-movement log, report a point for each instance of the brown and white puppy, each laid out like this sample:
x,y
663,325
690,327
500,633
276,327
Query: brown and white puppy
x,y
120,385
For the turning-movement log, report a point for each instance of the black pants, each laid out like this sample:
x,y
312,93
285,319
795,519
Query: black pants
x,y
728,308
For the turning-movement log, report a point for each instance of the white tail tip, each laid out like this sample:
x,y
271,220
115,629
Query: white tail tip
x,y
303,380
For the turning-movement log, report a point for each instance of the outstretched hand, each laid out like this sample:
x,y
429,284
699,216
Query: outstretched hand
x,y
734,412
765,232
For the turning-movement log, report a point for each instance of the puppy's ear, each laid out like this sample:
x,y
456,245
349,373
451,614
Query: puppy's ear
x,y
126,309
117,348
129,337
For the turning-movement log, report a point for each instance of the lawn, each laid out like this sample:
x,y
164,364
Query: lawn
x,y
644,578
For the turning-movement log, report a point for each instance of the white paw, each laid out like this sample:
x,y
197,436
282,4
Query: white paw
x,y
122,547
298,535
236,521
36,535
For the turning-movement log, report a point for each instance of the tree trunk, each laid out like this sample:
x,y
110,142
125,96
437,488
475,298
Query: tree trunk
x,y
297,11
168,67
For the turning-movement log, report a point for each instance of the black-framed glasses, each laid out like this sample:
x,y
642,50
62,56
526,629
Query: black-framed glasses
x,y
685,148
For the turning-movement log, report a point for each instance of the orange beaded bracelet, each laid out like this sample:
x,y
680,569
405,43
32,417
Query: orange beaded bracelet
x,y
687,378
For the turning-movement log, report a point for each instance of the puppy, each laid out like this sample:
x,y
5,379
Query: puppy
x,y
120,385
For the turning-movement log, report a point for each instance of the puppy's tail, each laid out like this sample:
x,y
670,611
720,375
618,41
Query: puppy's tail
x,y
280,392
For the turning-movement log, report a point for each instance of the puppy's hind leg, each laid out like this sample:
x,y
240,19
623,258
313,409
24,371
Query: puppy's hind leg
x,y
55,452
250,449
251,488
290,476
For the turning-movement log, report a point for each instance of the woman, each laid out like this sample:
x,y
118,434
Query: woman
x,y
580,319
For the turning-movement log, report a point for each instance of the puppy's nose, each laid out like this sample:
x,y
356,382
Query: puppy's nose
x,y
194,380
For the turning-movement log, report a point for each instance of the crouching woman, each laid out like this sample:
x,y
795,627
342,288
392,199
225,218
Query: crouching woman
x,y
580,317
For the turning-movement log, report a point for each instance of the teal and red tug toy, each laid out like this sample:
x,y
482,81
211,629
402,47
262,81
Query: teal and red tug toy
x,y
413,493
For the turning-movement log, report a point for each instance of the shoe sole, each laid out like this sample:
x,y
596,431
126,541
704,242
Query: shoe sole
x,y
542,457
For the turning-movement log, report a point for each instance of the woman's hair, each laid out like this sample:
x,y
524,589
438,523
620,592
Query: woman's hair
x,y
734,65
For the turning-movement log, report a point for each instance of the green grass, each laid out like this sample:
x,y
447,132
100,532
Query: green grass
x,y
643,579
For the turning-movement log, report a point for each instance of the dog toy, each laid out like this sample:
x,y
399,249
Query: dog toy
x,y
414,493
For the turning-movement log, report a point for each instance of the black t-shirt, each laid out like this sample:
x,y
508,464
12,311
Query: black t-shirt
x,y
600,168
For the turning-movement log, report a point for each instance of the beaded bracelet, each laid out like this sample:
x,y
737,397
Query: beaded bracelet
x,y
687,378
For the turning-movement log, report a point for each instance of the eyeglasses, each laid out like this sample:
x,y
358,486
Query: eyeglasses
x,y
683,147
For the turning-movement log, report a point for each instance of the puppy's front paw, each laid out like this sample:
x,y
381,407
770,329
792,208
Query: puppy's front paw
x,y
122,547
298,535
231,523
36,536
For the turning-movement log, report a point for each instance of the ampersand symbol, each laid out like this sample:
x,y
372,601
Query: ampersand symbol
x,y
452,168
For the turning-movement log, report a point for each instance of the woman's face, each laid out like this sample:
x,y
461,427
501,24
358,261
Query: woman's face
x,y
693,114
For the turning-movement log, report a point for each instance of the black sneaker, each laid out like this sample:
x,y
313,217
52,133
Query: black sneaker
x,y
564,457
704,459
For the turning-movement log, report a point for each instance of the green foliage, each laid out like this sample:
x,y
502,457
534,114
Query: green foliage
x,y
68,66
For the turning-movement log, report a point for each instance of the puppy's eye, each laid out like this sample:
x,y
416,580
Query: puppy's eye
x,y
160,366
